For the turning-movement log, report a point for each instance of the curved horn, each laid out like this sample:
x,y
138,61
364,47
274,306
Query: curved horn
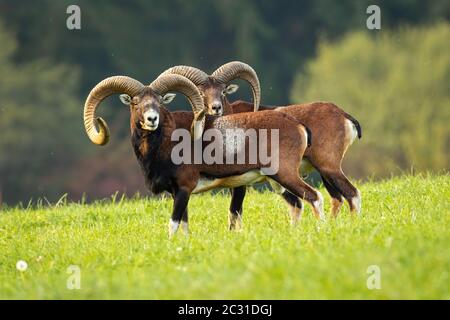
x,y
197,76
105,88
175,82
237,69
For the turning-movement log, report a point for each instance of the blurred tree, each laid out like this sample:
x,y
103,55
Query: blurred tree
x,y
397,84
140,38
39,136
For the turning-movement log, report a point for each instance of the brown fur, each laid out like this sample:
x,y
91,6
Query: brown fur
x,y
153,151
327,123
331,128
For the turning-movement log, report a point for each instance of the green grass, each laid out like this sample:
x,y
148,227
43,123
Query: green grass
x,y
123,250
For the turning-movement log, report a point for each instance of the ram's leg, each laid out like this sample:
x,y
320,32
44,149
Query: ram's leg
x,y
294,202
235,214
181,199
184,222
336,197
345,187
292,182
295,206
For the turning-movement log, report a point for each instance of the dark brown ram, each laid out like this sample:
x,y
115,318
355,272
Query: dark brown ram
x,y
333,131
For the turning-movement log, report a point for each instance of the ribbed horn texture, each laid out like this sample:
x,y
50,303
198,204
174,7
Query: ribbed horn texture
x,y
175,82
197,76
105,88
239,70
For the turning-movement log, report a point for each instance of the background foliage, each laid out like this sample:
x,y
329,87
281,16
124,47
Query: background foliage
x,y
397,85
395,81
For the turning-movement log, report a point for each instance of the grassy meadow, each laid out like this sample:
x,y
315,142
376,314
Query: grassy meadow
x,y
122,249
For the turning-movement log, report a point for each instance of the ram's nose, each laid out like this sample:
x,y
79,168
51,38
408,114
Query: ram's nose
x,y
152,119
216,109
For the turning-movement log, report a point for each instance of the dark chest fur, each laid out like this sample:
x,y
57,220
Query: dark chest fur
x,y
159,171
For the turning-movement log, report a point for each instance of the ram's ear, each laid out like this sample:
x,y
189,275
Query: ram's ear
x,y
168,98
231,88
126,99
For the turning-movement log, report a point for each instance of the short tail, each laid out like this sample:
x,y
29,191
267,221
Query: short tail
x,y
356,124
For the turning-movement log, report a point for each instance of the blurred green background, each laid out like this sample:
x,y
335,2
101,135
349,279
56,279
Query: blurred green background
x,y
395,81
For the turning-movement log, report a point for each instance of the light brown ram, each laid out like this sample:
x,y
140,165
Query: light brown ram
x,y
333,131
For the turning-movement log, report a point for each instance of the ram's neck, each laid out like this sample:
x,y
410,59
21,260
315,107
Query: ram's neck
x,y
150,147
152,151
227,109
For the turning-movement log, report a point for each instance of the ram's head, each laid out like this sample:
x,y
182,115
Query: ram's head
x,y
215,87
146,103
